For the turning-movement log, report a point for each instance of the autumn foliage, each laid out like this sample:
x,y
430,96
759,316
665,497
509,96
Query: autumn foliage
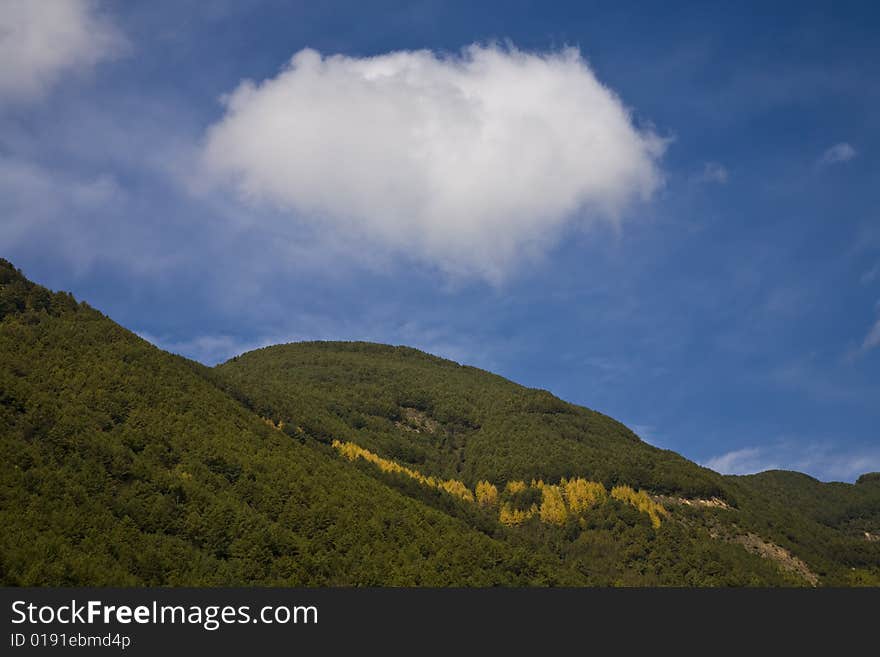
x,y
486,493
553,509
582,494
642,501
353,451
510,516
569,498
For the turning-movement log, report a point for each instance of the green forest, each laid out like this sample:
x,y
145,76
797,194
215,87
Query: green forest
x,y
126,465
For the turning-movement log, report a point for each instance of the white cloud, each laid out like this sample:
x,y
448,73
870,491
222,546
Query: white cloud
x,y
470,162
713,172
824,460
41,40
842,152
742,461
648,433
211,349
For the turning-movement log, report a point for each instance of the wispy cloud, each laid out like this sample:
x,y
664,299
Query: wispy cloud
x,y
813,377
838,153
647,432
214,348
713,173
870,275
747,460
74,212
824,460
872,340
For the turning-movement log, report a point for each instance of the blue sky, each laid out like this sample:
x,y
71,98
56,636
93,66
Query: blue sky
x,y
679,230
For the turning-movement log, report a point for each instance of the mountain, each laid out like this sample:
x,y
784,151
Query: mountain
x,y
123,465
361,464
484,427
459,422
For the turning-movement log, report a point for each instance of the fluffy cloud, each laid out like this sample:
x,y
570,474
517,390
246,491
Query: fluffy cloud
x,y
838,153
42,40
469,162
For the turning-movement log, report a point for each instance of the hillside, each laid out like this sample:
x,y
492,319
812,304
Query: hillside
x,y
121,464
360,464
850,508
453,421
828,526
456,421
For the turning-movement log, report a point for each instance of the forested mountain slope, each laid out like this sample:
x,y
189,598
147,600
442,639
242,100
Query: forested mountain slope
x,y
851,508
121,464
453,421
361,464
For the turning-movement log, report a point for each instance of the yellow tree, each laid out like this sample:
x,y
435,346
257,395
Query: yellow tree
x,y
640,500
455,487
487,494
352,451
510,516
582,494
552,505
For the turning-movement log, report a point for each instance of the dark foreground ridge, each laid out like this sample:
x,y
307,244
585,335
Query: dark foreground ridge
x,y
125,465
